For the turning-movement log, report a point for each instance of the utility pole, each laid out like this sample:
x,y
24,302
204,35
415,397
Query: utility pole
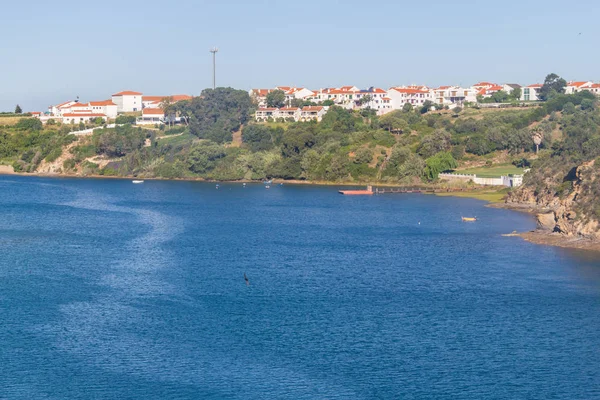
x,y
214,51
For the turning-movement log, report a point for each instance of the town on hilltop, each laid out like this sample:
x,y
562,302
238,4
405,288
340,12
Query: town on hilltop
x,y
302,104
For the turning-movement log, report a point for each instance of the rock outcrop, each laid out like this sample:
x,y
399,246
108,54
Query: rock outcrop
x,y
574,213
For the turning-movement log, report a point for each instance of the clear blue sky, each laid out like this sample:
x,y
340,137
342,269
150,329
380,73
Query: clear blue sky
x,y
56,51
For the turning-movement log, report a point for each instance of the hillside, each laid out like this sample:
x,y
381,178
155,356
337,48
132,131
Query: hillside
x,y
220,141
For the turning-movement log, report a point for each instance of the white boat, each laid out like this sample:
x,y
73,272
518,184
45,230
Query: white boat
x,y
137,181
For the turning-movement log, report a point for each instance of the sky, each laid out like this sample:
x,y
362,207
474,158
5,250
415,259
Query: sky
x,y
56,51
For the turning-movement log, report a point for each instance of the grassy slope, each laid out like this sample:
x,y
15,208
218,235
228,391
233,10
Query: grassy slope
x,y
493,171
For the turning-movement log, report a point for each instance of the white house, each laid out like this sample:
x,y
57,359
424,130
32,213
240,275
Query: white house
x,y
260,96
415,95
531,92
310,113
79,108
574,87
298,93
454,95
57,110
263,114
156,101
128,101
290,112
75,118
594,88
151,116
106,107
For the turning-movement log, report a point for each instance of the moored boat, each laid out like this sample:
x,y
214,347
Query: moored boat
x,y
367,192
137,181
469,219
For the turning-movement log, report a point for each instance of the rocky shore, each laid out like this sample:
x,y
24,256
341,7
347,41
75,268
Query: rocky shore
x,y
562,220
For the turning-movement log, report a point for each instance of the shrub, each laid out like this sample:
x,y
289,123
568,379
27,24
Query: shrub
x,y
69,164
54,154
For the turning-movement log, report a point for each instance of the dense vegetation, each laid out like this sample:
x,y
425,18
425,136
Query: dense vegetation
x,y
219,140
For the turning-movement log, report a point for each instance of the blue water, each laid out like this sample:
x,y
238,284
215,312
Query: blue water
x,y
110,290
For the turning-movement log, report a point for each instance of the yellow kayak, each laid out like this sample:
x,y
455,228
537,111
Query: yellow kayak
x,y
469,219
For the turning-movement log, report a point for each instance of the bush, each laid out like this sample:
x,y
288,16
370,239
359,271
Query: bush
x,y
125,119
54,154
175,131
29,124
69,164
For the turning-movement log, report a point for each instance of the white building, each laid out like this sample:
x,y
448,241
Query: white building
x,y
313,113
574,87
290,112
454,95
151,116
76,118
531,92
156,101
307,113
128,101
263,114
595,88
414,95
57,110
106,107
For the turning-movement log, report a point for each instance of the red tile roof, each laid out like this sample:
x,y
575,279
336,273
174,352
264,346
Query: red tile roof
x,y
410,90
484,84
312,108
289,109
153,111
127,93
576,84
535,85
80,105
102,103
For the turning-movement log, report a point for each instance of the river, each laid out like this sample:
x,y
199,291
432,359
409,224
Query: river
x,y
110,290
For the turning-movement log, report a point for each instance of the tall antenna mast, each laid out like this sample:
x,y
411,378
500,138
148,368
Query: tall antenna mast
x,y
214,51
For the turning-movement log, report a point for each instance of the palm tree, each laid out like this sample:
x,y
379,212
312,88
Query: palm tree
x,y
538,136
167,106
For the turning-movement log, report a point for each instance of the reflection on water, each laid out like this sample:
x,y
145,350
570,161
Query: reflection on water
x,y
116,290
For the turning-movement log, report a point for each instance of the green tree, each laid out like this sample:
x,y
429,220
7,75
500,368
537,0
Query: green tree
x,y
439,163
203,157
167,107
500,96
435,143
364,100
257,137
393,122
553,85
18,109
426,106
363,155
29,124
216,114
569,108
407,107
515,95
276,98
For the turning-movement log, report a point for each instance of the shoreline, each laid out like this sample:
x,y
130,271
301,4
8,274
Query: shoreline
x,y
494,198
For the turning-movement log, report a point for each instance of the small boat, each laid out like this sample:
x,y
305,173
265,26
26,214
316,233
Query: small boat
x,y
368,192
469,219
267,187
137,181
267,182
